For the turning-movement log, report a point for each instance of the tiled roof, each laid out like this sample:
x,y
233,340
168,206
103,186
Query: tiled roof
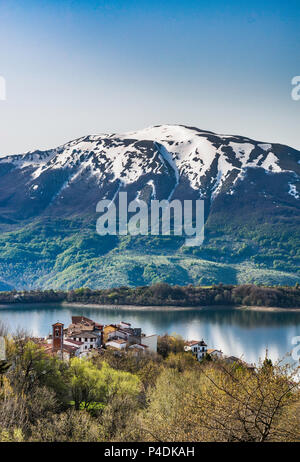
x,y
81,319
69,348
192,342
76,342
195,342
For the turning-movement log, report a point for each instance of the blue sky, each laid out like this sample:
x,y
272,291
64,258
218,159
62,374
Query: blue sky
x,y
87,67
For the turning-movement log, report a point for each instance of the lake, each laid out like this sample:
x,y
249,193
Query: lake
x,y
241,333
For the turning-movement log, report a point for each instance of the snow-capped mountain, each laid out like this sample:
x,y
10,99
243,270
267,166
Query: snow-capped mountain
x,y
48,212
167,161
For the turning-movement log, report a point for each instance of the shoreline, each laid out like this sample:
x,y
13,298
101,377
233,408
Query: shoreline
x,y
179,308
270,309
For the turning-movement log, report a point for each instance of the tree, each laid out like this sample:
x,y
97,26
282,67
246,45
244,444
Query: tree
x,y
226,403
90,385
13,414
33,367
69,426
239,404
86,383
167,344
119,418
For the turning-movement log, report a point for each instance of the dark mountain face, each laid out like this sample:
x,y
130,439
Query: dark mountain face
x,y
251,191
173,162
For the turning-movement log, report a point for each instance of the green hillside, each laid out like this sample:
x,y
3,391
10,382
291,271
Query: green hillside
x,y
69,254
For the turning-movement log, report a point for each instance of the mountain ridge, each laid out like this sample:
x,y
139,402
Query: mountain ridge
x,y
202,159
250,189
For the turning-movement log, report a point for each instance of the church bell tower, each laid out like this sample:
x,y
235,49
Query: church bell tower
x,y
57,336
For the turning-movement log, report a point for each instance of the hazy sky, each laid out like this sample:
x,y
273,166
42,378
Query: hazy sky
x,y
88,67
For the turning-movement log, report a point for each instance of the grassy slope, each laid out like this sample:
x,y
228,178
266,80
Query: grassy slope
x,y
131,270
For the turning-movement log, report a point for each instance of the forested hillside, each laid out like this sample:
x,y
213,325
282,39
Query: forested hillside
x,y
162,294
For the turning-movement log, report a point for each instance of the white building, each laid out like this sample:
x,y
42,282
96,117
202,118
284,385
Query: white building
x,y
75,343
88,339
119,344
151,342
197,347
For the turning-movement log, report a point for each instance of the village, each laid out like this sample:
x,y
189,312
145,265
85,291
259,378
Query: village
x,y
84,337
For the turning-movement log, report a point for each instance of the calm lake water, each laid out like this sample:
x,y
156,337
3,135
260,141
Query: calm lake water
x,y
240,333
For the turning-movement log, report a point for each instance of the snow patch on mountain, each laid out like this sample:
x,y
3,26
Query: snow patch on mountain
x,y
242,151
224,167
152,184
204,158
265,147
270,163
293,191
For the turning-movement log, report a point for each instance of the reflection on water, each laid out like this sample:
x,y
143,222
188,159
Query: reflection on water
x,y
236,332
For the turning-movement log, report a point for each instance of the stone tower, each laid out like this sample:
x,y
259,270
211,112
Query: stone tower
x,y
57,336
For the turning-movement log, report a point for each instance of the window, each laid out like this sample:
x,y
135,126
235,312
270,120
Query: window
x,y
56,332
85,339
85,347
